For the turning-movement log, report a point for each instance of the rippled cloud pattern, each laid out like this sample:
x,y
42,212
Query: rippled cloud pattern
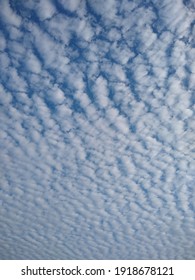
x,y
97,129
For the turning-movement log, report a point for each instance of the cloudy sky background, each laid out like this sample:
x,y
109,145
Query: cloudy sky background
x,y
97,129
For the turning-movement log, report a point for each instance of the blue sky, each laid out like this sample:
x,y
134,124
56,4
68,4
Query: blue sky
x,y
97,129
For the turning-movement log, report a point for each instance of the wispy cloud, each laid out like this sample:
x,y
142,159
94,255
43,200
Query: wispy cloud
x,y
97,130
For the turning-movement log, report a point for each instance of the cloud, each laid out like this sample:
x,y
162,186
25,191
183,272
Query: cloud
x,y
97,130
69,5
8,15
45,10
107,10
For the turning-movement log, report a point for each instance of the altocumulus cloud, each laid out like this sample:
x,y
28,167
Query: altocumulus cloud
x,y
97,129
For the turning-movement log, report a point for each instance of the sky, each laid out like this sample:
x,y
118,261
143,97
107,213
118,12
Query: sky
x,y
97,129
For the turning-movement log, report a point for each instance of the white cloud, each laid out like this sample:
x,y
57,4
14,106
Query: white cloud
x,y
101,92
45,10
71,5
33,64
2,42
97,130
175,16
8,15
56,95
106,9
